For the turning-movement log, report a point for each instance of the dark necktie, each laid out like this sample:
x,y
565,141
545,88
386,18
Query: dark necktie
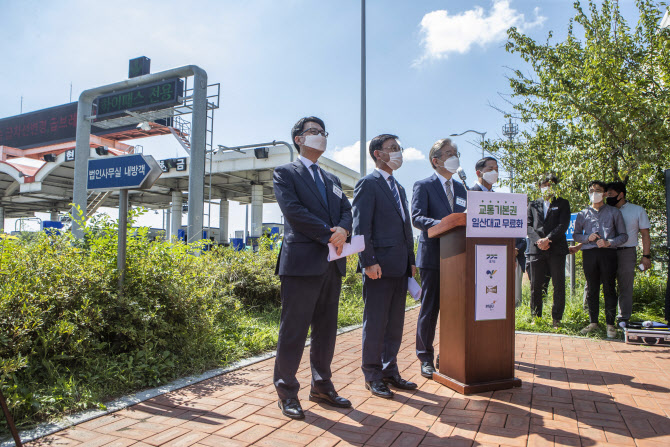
x,y
450,195
394,190
319,183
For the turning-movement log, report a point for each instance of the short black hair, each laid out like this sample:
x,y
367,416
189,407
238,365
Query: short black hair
x,y
377,142
598,183
619,187
298,127
549,177
481,164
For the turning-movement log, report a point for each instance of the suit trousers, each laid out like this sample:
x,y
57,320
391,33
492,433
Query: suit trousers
x,y
383,321
600,265
625,277
307,301
542,267
430,310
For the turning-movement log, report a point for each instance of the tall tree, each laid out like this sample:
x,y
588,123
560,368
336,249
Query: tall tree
x,y
597,105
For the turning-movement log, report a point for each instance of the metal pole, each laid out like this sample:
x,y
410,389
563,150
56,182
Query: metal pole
x,y
123,229
10,421
363,112
483,144
196,175
572,272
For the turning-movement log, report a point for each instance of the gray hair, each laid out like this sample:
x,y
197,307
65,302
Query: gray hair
x,y
438,146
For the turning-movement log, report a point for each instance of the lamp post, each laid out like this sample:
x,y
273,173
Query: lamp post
x,y
510,130
482,134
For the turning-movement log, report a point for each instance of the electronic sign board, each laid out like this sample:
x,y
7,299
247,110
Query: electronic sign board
x,y
154,96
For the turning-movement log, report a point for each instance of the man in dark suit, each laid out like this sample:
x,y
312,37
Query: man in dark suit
x,y
381,216
548,219
316,212
434,198
487,175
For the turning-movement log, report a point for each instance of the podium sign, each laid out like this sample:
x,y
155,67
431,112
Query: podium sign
x,y
490,282
496,215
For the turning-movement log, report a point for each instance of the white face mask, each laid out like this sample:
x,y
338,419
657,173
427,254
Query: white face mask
x,y
544,190
596,197
490,177
452,164
395,160
317,142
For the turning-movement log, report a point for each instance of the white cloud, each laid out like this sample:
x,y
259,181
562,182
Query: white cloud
x,y
350,157
413,154
444,33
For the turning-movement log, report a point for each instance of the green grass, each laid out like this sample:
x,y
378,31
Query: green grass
x,y
648,304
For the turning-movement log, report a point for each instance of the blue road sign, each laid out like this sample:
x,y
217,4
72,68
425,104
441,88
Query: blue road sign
x,y
135,171
571,228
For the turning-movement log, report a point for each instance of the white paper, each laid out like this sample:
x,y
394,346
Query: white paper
x,y
414,289
496,215
357,245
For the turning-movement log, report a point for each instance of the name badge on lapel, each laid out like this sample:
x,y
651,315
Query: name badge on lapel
x,y
460,201
337,191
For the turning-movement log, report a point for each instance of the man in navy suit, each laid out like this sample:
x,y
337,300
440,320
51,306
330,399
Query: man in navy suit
x,y
434,198
316,212
381,216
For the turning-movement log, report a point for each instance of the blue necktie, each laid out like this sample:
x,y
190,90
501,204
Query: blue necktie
x,y
319,183
394,190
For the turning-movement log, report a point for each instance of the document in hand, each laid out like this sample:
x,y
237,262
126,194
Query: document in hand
x,y
357,245
414,289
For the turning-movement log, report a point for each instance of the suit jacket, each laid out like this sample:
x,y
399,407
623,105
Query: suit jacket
x,y
553,226
307,220
429,206
388,239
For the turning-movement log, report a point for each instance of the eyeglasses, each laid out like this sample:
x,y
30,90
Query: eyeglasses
x,y
314,131
392,149
452,154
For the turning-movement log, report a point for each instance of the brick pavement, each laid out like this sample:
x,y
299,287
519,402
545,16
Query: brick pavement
x,y
576,392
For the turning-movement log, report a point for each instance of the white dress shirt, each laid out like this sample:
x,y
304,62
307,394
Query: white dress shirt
x,y
386,176
308,164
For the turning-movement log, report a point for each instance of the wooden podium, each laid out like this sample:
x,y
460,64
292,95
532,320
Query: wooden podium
x,y
475,355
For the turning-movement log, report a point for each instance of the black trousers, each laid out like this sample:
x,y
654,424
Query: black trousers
x,y
383,321
307,301
600,265
430,310
541,268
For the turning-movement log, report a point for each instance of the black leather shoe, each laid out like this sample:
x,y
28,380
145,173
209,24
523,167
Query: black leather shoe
x,y
378,388
399,382
330,398
291,408
427,370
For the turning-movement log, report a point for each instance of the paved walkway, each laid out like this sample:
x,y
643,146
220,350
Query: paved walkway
x,y
576,392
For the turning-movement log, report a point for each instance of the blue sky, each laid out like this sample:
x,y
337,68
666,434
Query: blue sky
x,y
433,67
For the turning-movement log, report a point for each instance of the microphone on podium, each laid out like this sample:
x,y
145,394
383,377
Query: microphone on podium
x,y
461,174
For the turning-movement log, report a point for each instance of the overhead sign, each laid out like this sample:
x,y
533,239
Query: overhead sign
x,y
44,127
177,163
135,171
490,282
571,228
496,214
154,96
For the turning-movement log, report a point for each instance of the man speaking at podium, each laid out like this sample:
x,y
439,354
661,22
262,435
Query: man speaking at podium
x,y
316,212
434,198
381,216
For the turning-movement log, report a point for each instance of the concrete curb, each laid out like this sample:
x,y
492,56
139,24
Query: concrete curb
x,y
49,428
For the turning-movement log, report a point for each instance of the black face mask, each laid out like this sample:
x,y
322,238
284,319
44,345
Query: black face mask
x,y
612,201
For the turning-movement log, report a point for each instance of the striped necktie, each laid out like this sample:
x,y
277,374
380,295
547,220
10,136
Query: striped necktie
x,y
450,195
396,196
